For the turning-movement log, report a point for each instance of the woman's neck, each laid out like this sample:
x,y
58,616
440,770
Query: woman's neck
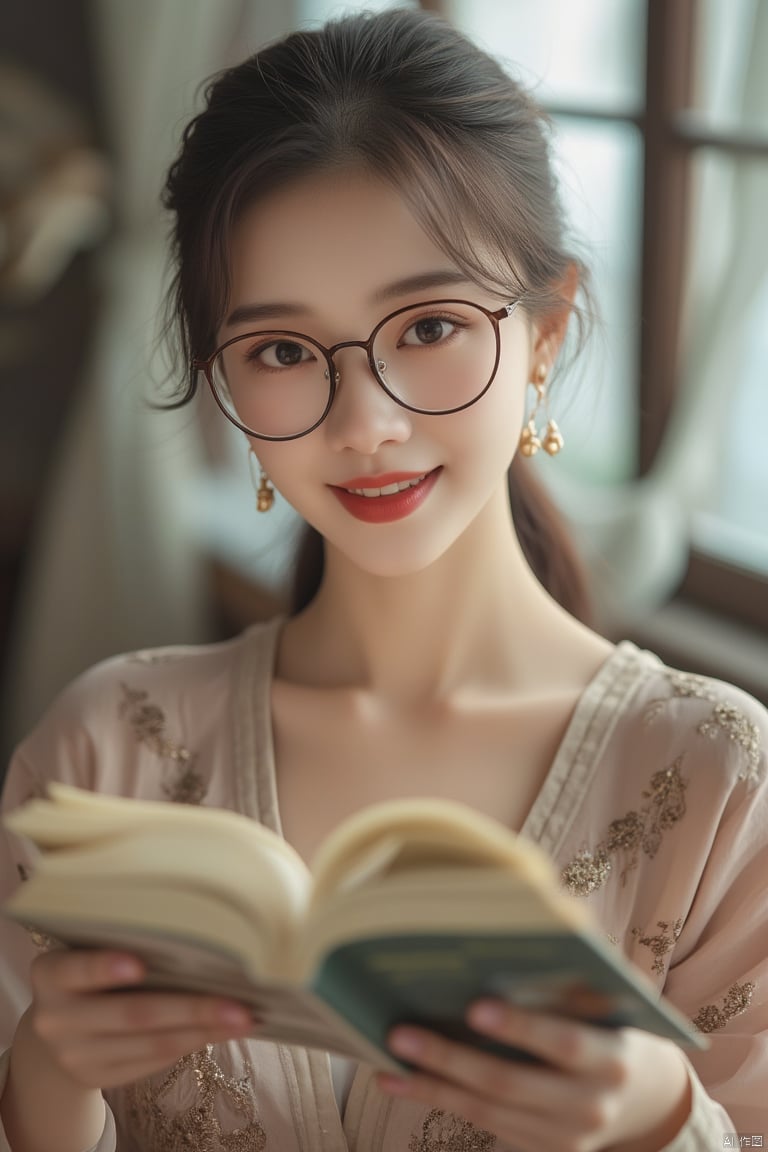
x,y
476,620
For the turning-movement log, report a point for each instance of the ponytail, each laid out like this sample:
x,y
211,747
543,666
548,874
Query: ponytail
x,y
308,570
546,543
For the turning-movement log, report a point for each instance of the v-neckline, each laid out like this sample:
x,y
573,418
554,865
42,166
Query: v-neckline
x,y
552,813
557,802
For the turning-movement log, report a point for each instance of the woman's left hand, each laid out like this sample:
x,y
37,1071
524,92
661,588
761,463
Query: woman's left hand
x,y
599,1088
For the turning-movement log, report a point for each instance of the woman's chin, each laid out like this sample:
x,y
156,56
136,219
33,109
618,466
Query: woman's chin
x,y
390,560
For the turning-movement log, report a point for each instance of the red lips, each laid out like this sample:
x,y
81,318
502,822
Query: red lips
x,y
384,509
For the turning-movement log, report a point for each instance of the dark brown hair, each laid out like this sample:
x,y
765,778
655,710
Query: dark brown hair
x,y
406,96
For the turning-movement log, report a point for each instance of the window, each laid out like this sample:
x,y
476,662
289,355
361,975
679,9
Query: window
x,y
661,113
726,335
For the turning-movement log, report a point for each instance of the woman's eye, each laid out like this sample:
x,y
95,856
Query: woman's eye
x,y
429,330
279,354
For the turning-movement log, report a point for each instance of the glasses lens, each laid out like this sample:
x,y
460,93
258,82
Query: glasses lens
x,y
436,357
275,383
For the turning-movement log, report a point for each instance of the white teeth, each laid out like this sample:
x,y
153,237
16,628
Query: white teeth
x,y
389,489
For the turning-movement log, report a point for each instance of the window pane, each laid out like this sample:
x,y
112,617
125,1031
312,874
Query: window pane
x,y
600,171
727,358
579,51
732,45
318,11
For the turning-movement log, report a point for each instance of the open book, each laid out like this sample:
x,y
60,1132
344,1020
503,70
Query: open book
x,y
412,910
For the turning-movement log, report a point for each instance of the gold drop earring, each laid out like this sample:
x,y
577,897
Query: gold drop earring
x,y
265,493
530,438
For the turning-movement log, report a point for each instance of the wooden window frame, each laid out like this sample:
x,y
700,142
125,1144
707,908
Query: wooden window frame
x,y
671,135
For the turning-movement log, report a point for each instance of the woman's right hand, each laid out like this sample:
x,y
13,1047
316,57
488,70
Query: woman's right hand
x,y
99,1028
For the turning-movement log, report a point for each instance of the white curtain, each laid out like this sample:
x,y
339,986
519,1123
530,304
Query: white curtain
x,y
636,538
116,563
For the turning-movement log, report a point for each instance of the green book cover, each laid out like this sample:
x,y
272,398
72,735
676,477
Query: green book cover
x,y
431,980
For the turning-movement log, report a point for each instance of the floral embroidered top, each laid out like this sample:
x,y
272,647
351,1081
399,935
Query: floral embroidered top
x,y
655,809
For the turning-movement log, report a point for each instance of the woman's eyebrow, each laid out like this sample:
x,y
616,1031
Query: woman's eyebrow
x,y
420,282
272,311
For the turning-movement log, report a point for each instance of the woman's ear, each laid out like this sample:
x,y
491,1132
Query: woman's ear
x,y
550,328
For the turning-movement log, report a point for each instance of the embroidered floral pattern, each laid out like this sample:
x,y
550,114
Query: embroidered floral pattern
x,y
148,656
741,731
40,940
725,719
587,872
688,684
640,830
199,1126
444,1132
736,1000
186,785
662,943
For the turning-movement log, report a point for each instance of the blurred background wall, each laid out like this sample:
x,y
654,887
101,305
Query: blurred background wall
x,y
121,527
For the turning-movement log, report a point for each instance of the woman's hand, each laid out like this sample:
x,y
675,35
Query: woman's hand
x,y
90,1027
598,1088
101,1030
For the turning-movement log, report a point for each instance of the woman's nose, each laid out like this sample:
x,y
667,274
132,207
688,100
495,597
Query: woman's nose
x,y
363,416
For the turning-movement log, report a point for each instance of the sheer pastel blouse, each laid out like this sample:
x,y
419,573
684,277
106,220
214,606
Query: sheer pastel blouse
x,y
655,810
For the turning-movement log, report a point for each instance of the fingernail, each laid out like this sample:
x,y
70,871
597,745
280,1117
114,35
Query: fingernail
x,y
486,1014
126,968
235,1015
395,1084
405,1042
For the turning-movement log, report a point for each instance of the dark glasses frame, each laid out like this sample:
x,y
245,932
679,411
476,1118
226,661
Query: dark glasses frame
x,y
494,317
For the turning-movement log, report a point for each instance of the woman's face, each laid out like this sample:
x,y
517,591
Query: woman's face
x,y
330,257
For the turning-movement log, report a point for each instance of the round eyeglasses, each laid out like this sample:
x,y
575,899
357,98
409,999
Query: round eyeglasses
x,y
434,358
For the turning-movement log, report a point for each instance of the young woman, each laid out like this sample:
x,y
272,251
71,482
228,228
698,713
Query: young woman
x,y
371,272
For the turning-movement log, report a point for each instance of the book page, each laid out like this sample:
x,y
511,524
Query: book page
x,y
115,859
414,834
